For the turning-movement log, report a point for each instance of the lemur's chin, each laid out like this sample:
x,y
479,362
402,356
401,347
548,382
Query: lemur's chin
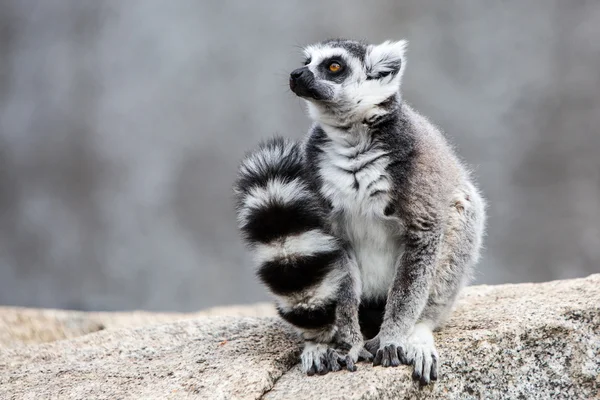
x,y
307,93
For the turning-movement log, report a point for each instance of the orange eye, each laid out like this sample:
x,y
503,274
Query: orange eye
x,y
334,67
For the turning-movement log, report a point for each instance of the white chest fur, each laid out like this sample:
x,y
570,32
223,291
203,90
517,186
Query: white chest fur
x,y
353,172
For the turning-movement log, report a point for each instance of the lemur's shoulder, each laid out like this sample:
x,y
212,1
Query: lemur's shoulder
x,y
433,152
434,171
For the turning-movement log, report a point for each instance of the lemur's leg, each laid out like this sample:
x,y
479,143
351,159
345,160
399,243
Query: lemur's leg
x,y
341,346
408,294
349,337
459,251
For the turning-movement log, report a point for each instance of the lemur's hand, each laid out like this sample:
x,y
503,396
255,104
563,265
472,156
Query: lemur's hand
x,y
321,358
387,351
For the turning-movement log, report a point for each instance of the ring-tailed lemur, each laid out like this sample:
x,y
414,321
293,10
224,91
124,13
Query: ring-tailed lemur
x,y
398,194
408,217
303,265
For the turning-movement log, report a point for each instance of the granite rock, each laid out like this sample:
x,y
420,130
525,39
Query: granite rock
x,y
525,341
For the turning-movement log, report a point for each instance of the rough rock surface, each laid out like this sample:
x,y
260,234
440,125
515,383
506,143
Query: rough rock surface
x,y
20,326
527,341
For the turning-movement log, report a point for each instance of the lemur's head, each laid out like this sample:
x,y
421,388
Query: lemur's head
x,y
346,82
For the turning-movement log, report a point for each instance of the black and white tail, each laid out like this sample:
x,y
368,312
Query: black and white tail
x,y
284,223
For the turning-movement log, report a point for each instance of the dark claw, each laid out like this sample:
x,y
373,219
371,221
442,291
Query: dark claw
x,y
350,364
387,355
394,360
385,361
378,358
416,375
311,371
425,368
434,369
424,380
418,367
424,375
402,356
334,366
322,370
332,359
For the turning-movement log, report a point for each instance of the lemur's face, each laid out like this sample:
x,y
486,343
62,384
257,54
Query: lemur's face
x,y
344,80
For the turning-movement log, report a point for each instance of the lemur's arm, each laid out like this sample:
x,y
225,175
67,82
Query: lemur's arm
x,y
409,292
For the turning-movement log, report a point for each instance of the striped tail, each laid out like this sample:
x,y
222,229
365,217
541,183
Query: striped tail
x,y
284,223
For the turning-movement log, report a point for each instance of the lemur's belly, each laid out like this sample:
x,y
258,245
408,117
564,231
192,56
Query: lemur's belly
x,y
357,185
377,252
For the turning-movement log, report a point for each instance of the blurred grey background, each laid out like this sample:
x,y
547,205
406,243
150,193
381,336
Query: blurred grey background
x,y
122,123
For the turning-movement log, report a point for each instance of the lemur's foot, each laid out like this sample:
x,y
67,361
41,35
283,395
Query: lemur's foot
x,y
320,358
422,354
418,350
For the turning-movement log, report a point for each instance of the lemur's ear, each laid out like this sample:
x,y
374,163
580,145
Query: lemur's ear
x,y
385,59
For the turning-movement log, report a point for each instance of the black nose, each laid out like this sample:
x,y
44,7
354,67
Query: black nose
x,y
302,82
297,73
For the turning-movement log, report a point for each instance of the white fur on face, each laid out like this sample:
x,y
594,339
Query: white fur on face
x,y
358,96
318,54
